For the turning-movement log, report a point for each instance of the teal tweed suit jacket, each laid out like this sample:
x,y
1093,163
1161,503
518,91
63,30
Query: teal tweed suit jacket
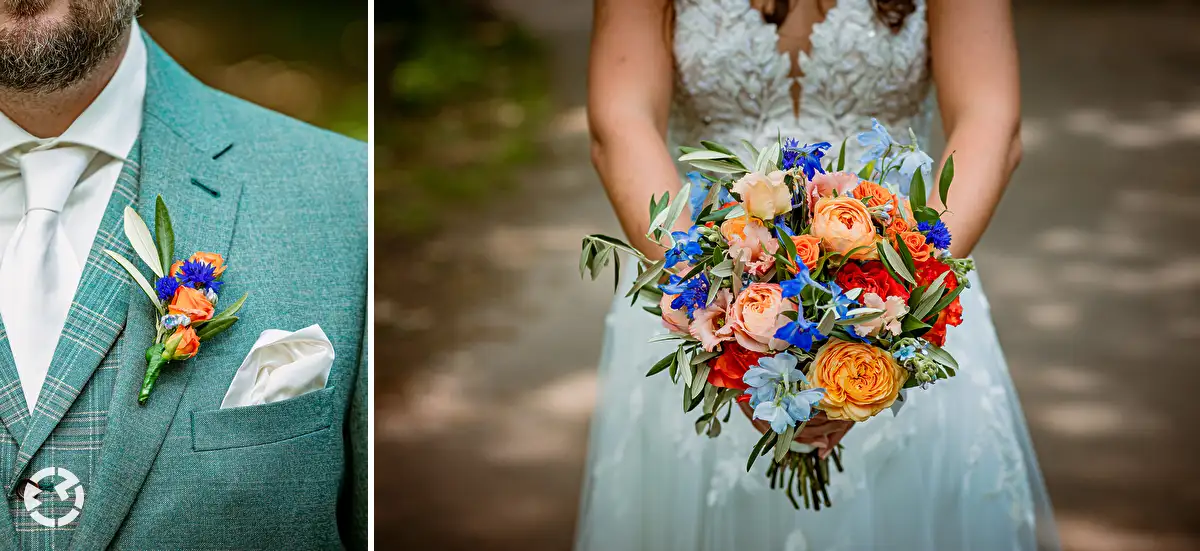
x,y
286,204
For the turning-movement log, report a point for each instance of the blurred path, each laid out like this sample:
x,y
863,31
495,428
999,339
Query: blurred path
x,y
488,339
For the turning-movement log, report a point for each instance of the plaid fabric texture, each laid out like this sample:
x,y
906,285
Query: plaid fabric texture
x,y
68,426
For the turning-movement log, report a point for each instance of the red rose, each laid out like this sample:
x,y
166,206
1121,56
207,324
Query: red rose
x,y
728,368
952,315
871,277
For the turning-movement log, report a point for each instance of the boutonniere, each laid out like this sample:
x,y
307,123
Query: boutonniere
x,y
185,293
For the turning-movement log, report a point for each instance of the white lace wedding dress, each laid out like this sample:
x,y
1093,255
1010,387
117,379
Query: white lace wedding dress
x,y
955,469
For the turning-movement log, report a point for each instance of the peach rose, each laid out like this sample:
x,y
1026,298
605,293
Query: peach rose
x,y
751,243
915,241
897,224
191,303
710,325
808,248
860,380
757,313
843,224
183,344
676,320
764,196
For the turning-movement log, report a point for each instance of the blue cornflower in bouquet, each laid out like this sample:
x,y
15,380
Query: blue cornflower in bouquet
x,y
774,395
936,234
876,140
806,158
691,294
196,274
687,247
166,287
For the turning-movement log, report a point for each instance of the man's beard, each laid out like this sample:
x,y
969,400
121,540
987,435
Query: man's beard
x,y
41,57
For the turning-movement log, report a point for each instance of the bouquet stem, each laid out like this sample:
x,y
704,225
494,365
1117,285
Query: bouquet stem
x,y
154,365
806,476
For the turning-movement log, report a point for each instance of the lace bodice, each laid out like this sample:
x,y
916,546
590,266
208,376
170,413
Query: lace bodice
x,y
732,83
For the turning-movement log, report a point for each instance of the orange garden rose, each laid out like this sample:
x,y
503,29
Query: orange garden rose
x,y
808,248
191,303
183,344
844,224
915,241
757,313
860,380
879,195
897,224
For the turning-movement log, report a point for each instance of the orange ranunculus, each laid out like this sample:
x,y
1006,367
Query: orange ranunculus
x,y
879,195
808,248
915,241
844,224
860,380
191,303
212,259
183,344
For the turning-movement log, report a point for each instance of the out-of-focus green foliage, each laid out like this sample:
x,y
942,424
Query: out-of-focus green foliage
x,y
305,58
460,97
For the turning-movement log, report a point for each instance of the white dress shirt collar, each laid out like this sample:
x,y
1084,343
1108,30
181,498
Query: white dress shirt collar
x,y
112,122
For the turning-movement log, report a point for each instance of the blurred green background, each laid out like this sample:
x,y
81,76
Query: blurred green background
x,y
460,97
304,58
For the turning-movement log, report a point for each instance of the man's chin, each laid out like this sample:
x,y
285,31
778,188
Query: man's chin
x,y
23,13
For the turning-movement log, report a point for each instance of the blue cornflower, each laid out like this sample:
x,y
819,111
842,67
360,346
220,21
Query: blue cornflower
x,y
166,287
876,140
905,353
195,274
773,393
215,285
936,234
699,192
802,334
171,321
807,158
691,294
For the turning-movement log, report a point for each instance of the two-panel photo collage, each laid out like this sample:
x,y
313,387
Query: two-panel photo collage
x,y
600,275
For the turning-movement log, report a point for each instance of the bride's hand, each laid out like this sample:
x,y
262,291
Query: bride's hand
x,y
820,432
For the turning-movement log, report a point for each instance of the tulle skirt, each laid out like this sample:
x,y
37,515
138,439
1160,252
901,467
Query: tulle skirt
x,y
954,470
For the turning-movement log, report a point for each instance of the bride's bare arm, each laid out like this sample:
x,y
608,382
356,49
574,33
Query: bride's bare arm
x,y
629,95
974,57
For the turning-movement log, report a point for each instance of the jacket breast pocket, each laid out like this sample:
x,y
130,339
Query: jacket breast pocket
x,y
241,427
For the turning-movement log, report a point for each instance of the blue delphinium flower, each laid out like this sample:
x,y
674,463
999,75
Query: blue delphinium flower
x,y
774,396
792,287
699,192
841,303
687,247
196,274
166,287
802,334
807,158
876,140
910,160
691,294
936,234
171,321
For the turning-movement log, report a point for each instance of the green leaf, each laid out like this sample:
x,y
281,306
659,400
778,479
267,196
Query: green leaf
x,y
906,256
758,448
940,355
866,171
661,364
701,379
164,233
925,214
714,146
735,212
784,443
842,157
651,274
704,154
232,309
656,310
915,297
916,193
720,167
789,247
766,158
618,244
945,179
753,150
682,361
717,215
913,326
601,261
931,296
137,277
893,262
724,269
215,327
827,322
945,301
862,318
139,237
585,256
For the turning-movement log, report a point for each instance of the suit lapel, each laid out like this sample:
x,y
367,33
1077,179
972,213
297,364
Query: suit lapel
x,y
13,411
182,140
96,317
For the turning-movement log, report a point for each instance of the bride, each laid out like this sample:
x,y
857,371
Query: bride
x,y
954,470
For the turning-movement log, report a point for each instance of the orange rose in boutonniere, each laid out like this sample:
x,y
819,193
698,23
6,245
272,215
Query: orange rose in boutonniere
x,y
191,303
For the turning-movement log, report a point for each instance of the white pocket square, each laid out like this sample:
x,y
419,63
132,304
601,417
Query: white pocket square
x,y
281,365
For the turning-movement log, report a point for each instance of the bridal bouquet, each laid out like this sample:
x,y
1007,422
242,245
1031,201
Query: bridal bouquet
x,y
811,293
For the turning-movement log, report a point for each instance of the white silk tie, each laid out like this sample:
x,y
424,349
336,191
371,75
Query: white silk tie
x,y
39,271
